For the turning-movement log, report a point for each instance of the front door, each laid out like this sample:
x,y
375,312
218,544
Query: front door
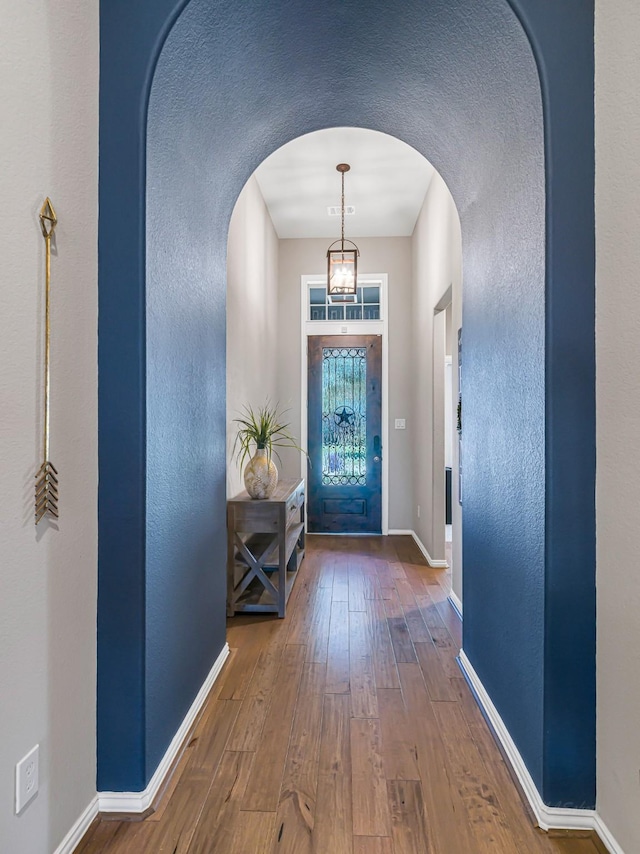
x,y
344,434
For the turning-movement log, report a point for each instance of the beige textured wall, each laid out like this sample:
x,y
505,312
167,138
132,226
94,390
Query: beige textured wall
x,y
436,256
49,103
391,255
252,314
618,415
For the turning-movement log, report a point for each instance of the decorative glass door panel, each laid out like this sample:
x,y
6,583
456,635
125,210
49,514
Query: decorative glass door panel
x,y
344,427
344,416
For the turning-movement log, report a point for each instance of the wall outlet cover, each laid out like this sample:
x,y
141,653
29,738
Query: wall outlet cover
x,y
27,779
401,424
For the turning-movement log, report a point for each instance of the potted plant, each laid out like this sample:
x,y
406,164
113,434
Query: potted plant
x,y
265,429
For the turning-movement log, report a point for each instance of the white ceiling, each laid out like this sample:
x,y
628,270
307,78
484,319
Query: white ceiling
x,y
387,184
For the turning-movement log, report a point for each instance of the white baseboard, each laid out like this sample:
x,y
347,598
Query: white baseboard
x,y
72,839
436,564
456,603
138,802
548,818
607,837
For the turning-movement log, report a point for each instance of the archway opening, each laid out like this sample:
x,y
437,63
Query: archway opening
x,y
404,220
461,86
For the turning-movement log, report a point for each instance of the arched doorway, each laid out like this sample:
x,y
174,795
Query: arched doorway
x,y
459,83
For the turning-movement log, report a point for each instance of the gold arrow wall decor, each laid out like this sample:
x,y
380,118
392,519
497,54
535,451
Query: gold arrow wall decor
x,y
47,476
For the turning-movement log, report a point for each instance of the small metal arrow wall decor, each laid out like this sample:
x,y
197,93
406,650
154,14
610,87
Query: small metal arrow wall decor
x,y
47,476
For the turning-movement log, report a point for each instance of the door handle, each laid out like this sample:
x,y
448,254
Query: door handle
x,y
376,449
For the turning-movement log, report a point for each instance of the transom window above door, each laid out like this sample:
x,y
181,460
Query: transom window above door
x,y
366,305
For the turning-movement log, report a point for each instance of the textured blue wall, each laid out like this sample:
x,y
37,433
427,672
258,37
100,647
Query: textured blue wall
x,y
130,36
186,408
458,81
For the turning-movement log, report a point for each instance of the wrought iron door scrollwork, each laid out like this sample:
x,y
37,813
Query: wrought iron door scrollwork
x,y
344,427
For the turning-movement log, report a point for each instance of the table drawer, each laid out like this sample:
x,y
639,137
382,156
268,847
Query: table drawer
x,y
294,503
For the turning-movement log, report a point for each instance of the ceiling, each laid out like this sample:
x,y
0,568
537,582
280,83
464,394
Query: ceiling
x,y
387,184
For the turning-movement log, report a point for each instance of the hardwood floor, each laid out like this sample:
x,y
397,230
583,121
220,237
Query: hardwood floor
x,y
346,728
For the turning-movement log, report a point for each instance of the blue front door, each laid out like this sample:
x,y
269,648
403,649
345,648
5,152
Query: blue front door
x,y
344,434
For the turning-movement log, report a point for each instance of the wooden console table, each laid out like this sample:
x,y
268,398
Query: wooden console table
x,y
265,546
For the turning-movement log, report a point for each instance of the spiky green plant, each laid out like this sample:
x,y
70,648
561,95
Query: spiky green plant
x,y
263,428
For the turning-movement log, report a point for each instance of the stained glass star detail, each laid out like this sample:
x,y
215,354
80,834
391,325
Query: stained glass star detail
x,y
344,416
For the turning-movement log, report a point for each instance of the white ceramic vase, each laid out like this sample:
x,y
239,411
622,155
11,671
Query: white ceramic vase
x,y
260,475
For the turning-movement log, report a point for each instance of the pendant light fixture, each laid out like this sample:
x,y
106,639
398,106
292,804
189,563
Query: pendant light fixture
x,y
342,264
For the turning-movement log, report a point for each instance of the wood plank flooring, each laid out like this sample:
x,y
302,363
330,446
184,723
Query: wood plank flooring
x,y
345,728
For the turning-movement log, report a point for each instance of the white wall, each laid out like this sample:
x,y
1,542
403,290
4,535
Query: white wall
x,y
618,415
436,254
49,104
391,255
456,324
449,429
252,314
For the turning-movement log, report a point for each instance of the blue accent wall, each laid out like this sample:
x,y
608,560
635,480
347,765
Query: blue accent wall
x,y
511,131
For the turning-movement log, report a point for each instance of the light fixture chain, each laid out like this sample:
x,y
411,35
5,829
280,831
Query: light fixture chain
x,y
343,211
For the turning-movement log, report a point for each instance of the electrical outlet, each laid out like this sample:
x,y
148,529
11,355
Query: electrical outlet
x,y
27,779
418,511
401,424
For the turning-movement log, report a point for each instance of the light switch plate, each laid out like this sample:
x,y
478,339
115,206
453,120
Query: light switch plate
x,y
401,424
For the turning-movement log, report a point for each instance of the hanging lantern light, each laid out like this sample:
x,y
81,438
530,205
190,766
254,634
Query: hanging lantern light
x,y
342,264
